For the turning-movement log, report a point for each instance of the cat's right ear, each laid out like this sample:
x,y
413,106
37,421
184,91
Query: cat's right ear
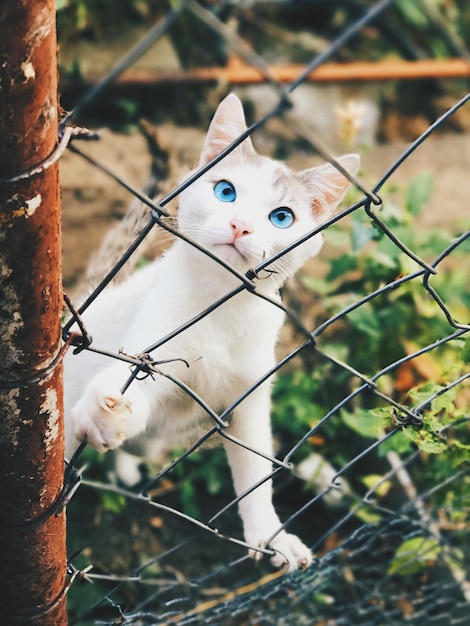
x,y
227,125
327,185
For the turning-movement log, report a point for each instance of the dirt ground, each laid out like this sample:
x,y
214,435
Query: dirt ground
x,y
92,201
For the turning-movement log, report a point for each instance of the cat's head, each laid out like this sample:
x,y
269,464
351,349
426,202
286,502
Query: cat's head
x,y
248,207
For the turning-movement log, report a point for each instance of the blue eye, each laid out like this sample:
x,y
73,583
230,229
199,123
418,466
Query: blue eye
x,y
282,217
225,191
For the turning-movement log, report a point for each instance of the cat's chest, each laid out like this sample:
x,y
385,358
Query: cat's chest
x,y
236,345
229,347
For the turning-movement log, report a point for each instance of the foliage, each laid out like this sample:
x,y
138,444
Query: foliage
x,y
210,476
415,21
94,17
394,324
414,555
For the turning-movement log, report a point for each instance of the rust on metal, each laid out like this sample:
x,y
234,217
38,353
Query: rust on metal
x,y
32,541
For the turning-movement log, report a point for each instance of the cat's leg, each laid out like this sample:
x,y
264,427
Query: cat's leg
x,y
251,425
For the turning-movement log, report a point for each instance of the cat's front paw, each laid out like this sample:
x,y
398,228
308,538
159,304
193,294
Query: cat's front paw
x,y
289,551
102,416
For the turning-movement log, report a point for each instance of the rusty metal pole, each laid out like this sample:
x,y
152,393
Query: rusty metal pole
x,y
32,537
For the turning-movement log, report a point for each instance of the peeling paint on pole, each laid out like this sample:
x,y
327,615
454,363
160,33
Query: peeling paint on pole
x,y
32,542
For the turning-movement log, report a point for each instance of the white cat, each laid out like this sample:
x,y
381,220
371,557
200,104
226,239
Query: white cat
x,y
244,210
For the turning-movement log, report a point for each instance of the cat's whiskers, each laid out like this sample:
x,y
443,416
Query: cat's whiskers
x,y
283,267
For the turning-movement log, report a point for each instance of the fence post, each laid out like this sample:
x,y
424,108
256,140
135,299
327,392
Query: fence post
x,y
32,540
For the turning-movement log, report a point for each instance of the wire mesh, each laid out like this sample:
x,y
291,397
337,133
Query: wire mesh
x,y
392,545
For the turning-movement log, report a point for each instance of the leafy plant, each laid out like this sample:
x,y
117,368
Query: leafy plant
x,y
414,555
387,328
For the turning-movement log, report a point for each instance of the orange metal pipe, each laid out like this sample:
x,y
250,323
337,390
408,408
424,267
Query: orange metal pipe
x,y
237,72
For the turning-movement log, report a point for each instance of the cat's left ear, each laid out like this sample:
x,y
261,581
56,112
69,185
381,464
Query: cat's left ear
x,y
227,125
327,184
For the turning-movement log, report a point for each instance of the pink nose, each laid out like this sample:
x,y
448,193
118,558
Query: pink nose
x,y
240,228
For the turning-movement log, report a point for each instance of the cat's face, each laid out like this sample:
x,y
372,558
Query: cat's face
x,y
248,207
245,212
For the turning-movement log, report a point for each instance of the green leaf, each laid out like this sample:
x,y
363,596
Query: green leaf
x,y
314,284
439,48
339,267
189,500
323,598
366,423
444,402
419,191
377,484
127,108
361,235
399,443
215,483
409,433
365,320
368,515
466,351
458,452
386,260
113,502
425,440
428,442
414,555
422,393
338,236
412,13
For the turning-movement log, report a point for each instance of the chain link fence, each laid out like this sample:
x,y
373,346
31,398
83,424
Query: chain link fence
x,y
370,414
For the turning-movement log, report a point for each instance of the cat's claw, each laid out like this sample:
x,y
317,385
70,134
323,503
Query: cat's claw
x,y
102,419
290,552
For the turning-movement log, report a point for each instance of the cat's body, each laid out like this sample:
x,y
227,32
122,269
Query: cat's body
x,y
244,210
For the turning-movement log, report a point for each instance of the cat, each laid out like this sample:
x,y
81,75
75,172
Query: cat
x,y
244,210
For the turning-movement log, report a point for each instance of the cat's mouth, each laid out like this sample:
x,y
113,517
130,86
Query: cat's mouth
x,y
231,251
